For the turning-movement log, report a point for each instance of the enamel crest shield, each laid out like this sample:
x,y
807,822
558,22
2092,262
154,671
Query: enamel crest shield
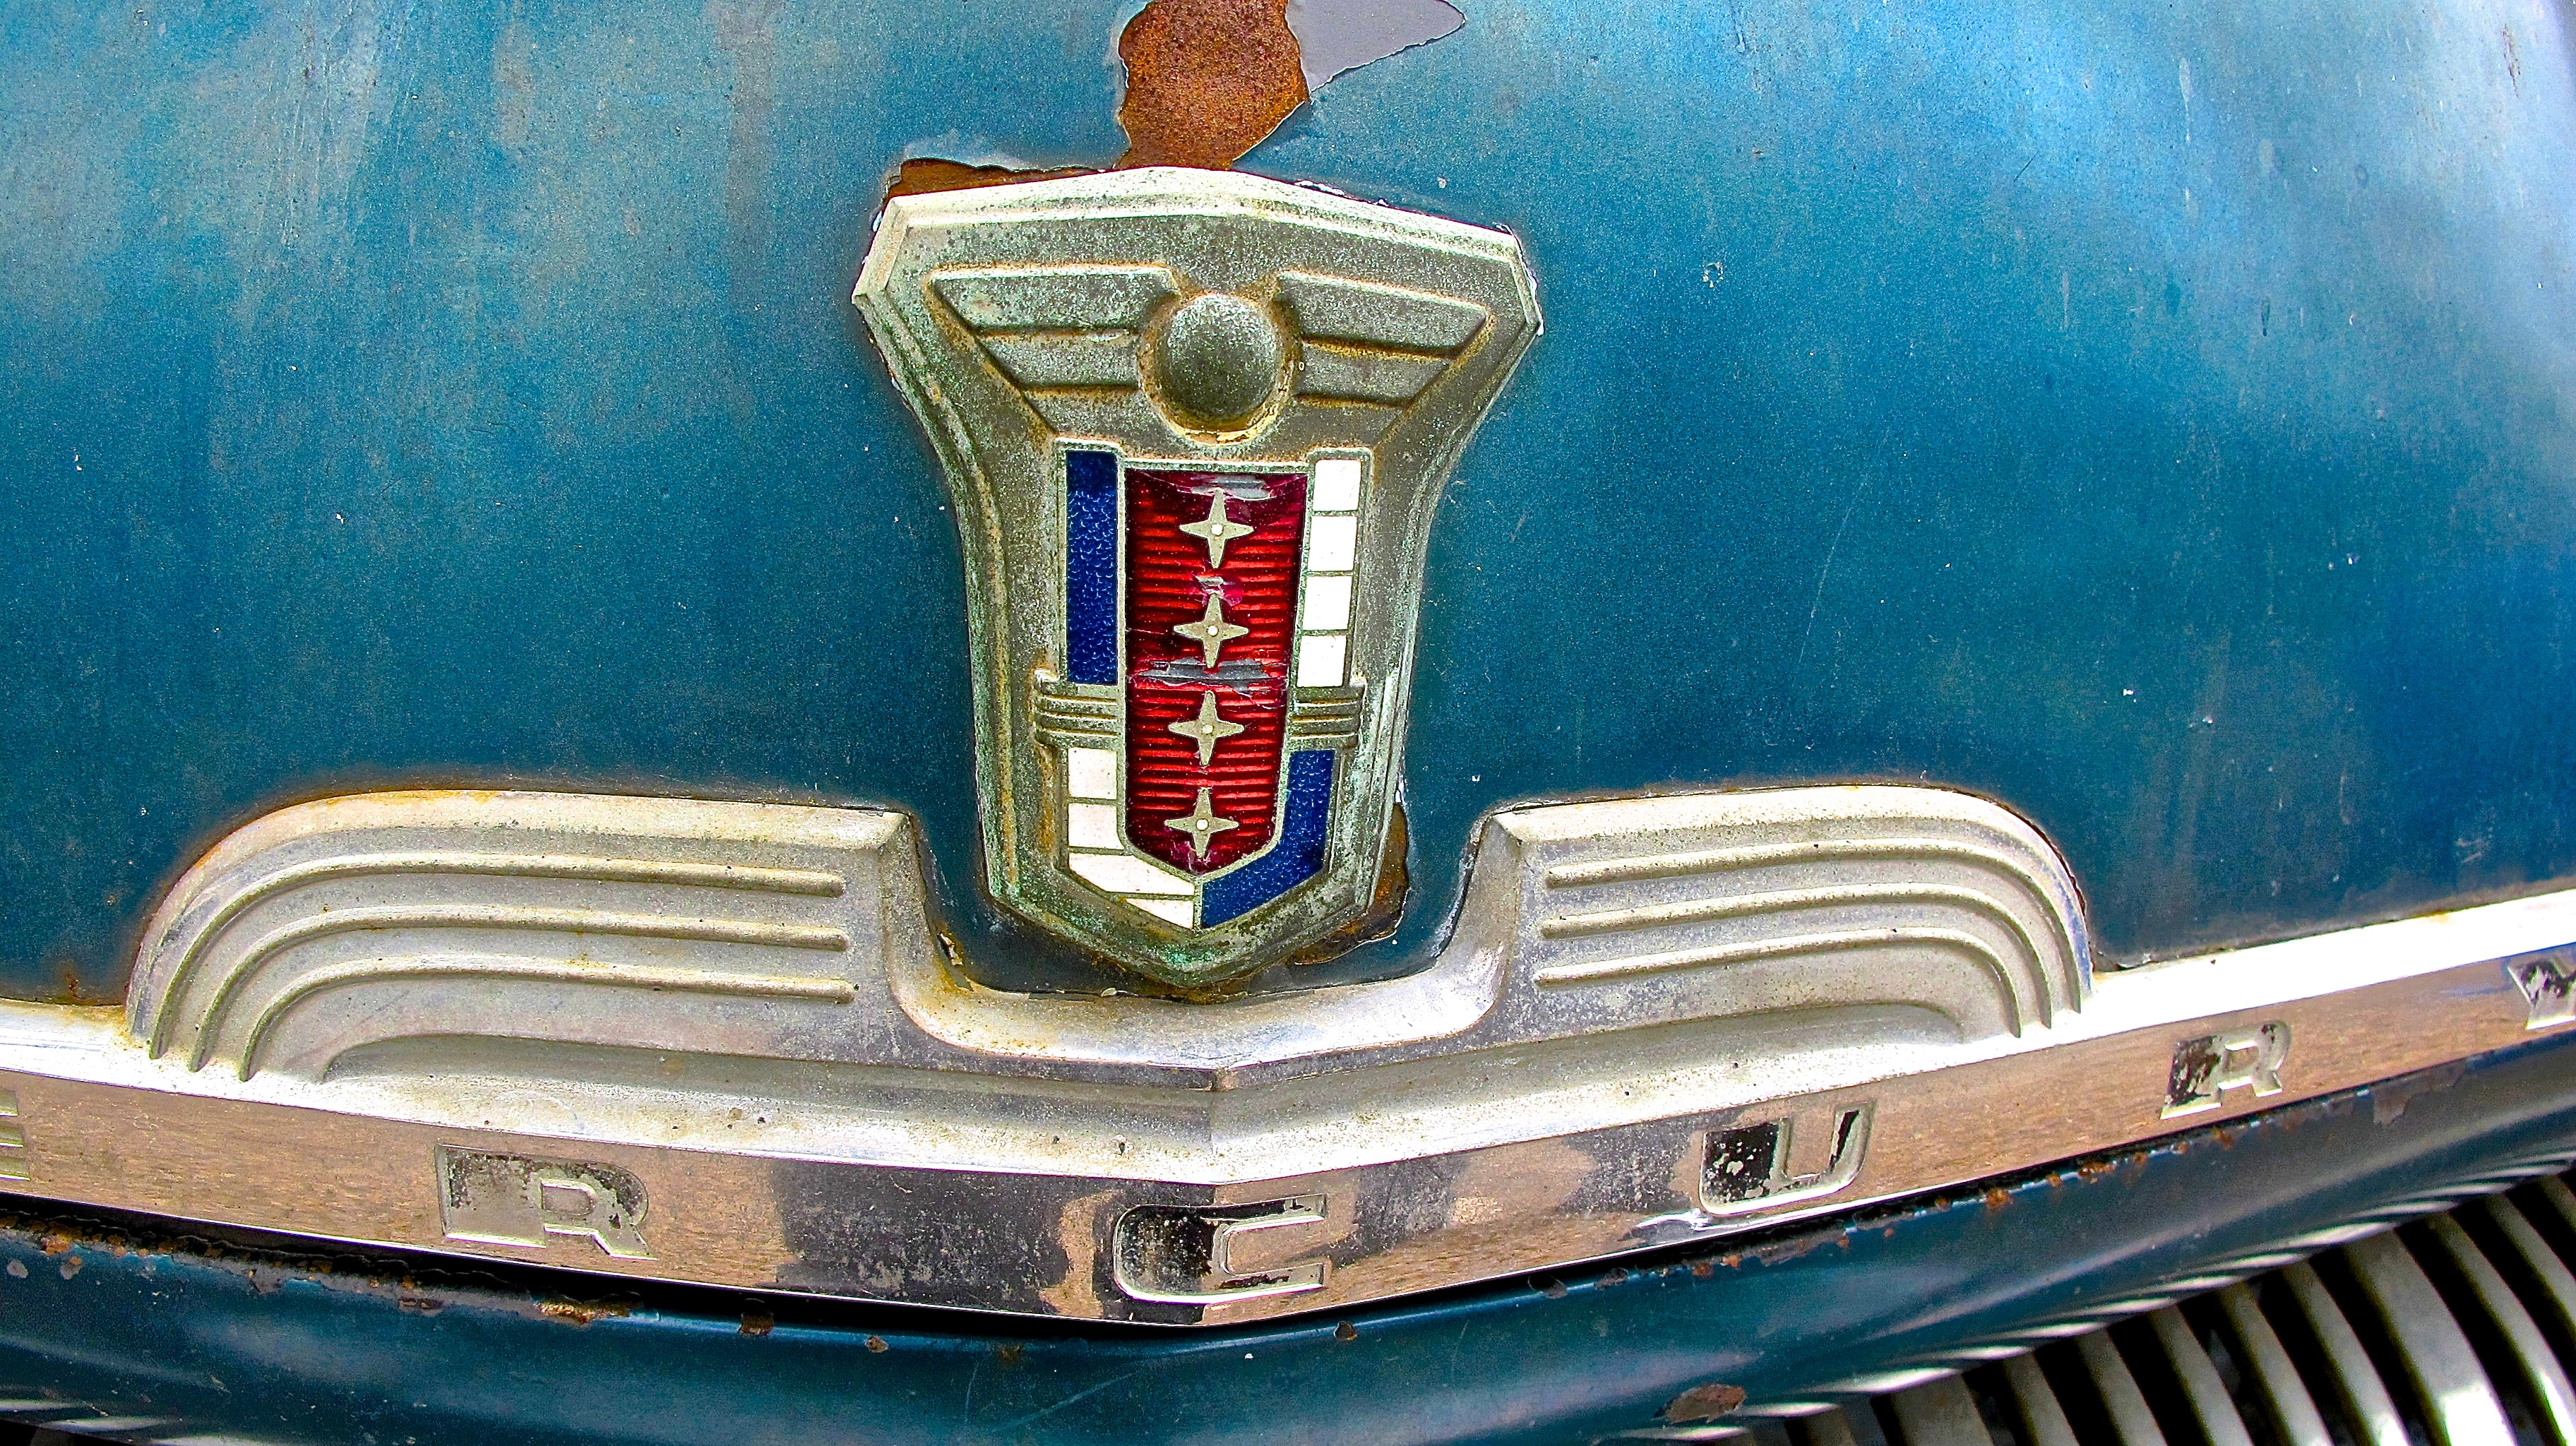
x,y
1194,424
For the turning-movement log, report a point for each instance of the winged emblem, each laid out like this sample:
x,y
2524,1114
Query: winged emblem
x,y
1194,423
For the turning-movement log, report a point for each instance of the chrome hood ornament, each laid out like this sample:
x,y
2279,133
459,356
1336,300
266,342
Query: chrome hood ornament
x,y
1195,424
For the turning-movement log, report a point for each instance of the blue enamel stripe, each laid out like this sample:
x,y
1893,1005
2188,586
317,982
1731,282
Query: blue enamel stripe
x,y
1091,567
1297,856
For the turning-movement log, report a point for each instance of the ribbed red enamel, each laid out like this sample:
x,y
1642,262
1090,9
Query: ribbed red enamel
x,y
1167,584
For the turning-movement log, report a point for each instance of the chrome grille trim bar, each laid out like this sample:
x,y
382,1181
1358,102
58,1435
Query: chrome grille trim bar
x,y
797,1118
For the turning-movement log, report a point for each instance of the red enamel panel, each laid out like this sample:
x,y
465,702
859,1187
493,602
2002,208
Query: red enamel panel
x,y
1169,580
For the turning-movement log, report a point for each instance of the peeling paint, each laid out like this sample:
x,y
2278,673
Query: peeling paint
x,y
1704,1403
921,175
2389,1099
1207,80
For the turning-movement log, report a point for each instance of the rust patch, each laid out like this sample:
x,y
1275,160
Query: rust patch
x,y
1346,1332
925,174
419,1304
71,992
1703,1268
71,1266
877,1344
1207,80
758,1322
1704,1403
1781,1252
580,1312
1998,1198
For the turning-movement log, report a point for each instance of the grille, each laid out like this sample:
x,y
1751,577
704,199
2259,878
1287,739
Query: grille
x,y
2458,1329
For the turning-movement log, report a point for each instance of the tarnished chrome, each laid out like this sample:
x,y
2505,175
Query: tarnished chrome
x,y
1755,1166
1657,1020
495,1199
2207,1067
1185,1255
733,927
1320,355
2548,980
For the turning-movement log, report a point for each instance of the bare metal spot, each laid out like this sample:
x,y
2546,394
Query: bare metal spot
x,y
1335,37
1704,1403
1206,80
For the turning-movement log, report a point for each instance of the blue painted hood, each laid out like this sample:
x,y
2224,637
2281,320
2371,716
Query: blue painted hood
x,y
2158,421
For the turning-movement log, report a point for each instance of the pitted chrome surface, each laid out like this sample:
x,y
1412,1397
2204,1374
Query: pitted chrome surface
x,y
716,1043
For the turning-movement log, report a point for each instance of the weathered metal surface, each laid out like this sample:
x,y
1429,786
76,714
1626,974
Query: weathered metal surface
x,y
2155,424
1195,427
716,1043
288,1348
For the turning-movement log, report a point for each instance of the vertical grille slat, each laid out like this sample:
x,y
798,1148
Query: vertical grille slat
x,y
2551,1281
2526,1348
2555,1191
2356,1379
2043,1421
1852,1426
2444,1370
1826,1429
1939,1413
2416,1325
2202,1390
2293,1411
2131,1418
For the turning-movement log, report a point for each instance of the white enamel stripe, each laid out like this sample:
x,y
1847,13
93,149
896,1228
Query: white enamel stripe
x,y
1332,552
1127,874
1090,773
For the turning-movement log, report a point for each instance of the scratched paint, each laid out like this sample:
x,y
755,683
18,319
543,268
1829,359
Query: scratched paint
x,y
375,389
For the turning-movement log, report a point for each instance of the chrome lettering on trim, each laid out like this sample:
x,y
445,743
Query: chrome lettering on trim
x,y
496,1199
1185,1254
1714,963
2548,980
2206,1066
1756,1167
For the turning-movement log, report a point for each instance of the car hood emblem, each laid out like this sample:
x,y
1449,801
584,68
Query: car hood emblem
x,y
1194,424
